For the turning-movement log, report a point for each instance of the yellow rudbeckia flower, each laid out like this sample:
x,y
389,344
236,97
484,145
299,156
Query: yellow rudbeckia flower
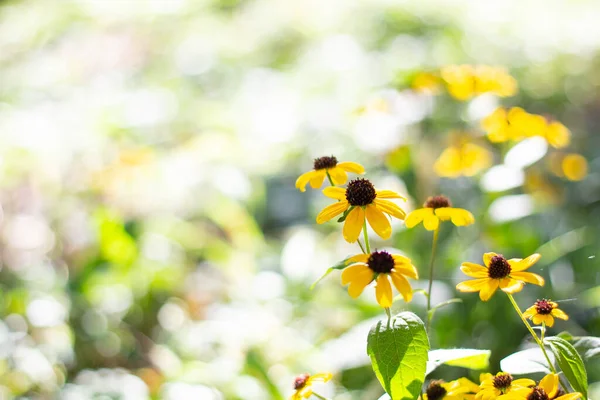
x,y
501,386
359,201
547,389
380,266
303,384
463,159
324,166
436,209
459,389
465,81
500,273
543,312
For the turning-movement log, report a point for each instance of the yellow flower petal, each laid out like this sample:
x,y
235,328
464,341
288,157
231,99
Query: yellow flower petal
x,y
570,396
416,216
321,377
358,258
488,290
388,194
383,291
511,285
390,208
525,263
338,175
523,383
474,270
474,285
559,314
530,312
528,277
574,167
331,211
458,216
538,319
316,181
487,257
402,285
350,166
303,179
360,281
378,221
337,193
353,224
401,260
354,272
431,222
407,270
557,135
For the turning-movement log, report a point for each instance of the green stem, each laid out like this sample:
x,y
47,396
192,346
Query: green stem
x,y
329,177
319,396
361,246
366,236
389,315
433,248
531,331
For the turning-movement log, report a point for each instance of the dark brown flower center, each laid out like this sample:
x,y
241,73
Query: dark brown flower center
x,y
325,162
503,381
360,192
300,381
437,202
499,268
537,394
543,307
435,390
381,262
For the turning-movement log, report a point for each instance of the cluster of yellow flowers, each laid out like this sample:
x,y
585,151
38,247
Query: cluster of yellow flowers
x,y
361,203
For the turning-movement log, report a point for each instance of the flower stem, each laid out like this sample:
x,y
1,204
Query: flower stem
x,y
433,248
319,396
361,246
389,315
531,331
329,177
366,236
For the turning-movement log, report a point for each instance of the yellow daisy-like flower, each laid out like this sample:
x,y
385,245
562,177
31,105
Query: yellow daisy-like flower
x,y
459,389
547,389
359,201
426,82
324,166
463,159
465,81
500,273
543,312
574,167
303,384
436,209
502,386
557,135
380,266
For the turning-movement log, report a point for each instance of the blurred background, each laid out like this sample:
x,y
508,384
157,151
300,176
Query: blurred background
x,y
153,244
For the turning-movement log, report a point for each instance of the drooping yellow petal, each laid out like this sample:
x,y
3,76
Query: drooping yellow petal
x,y
570,396
388,194
459,216
449,163
338,175
391,208
528,277
400,260
523,383
354,272
431,222
321,377
402,286
316,181
303,180
362,258
358,284
474,285
350,166
353,224
530,312
378,221
525,263
538,319
408,270
416,216
307,392
331,211
557,135
487,257
383,291
337,193
474,270
511,285
488,290
559,314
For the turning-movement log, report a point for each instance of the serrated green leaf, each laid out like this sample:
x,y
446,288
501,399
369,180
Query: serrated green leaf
x,y
340,265
570,362
526,362
466,358
398,355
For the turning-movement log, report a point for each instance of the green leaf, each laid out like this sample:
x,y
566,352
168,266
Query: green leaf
x,y
570,363
340,265
398,354
466,358
526,362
